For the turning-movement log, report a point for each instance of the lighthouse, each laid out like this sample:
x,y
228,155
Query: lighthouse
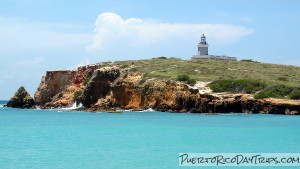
x,y
203,46
203,52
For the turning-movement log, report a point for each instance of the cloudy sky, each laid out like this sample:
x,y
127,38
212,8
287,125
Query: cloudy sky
x,y
40,35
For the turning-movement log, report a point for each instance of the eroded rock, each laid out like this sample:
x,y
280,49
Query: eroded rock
x,y
21,99
55,82
99,85
111,88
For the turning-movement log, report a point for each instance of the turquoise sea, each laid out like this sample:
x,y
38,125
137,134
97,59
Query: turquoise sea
x,y
51,139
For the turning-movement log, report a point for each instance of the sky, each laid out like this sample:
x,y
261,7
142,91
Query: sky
x,y
41,35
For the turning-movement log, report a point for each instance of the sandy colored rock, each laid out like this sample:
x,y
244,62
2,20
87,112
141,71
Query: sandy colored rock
x,y
111,88
54,83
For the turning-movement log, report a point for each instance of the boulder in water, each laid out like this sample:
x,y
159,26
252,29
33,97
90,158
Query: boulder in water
x,y
21,99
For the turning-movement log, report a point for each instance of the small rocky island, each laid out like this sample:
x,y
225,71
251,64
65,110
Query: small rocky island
x,y
21,99
144,84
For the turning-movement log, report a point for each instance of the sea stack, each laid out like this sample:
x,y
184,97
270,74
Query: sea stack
x,y
21,99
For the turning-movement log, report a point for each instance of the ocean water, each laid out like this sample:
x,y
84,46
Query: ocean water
x,y
51,139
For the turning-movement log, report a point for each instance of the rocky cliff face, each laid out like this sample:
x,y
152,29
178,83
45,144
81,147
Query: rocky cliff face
x,y
52,85
169,95
114,88
99,86
57,88
21,99
172,96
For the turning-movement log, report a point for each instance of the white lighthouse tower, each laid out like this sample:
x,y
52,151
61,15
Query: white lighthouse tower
x,y
203,46
203,52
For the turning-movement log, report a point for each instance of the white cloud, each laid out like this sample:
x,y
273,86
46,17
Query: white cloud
x,y
21,34
112,29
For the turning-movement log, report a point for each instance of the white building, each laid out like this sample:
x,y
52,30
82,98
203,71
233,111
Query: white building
x,y
203,52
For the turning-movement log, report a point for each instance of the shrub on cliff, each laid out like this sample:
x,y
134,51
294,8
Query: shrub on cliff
x,y
187,79
278,91
295,94
282,79
134,69
249,60
162,57
237,86
77,96
183,77
176,58
86,80
191,82
124,66
142,81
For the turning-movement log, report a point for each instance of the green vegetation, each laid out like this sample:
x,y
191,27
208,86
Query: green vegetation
x,y
211,70
124,66
77,95
279,91
282,79
190,71
237,86
142,81
191,82
183,77
86,80
249,60
252,86
187,79
161,57
175,58
295,94
134,69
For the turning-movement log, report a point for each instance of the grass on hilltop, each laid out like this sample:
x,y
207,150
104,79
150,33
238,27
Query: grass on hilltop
x,y
245,76
211,70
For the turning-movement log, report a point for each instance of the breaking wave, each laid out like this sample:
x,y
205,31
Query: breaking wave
x,y
74,106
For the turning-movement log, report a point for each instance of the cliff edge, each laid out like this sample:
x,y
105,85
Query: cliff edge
x,y
102,87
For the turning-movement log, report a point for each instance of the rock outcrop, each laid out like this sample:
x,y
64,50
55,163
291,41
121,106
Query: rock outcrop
x,y
171,96
109,88
53,85
21,99
129,93
99,85
58,87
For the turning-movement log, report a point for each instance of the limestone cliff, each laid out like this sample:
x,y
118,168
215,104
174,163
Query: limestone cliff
x,y
99,85
57,87
54,83
21,99
100,88
161,95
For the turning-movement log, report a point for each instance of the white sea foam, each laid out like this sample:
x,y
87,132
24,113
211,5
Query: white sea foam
x,y
129,110
74,106
150,109
147,110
